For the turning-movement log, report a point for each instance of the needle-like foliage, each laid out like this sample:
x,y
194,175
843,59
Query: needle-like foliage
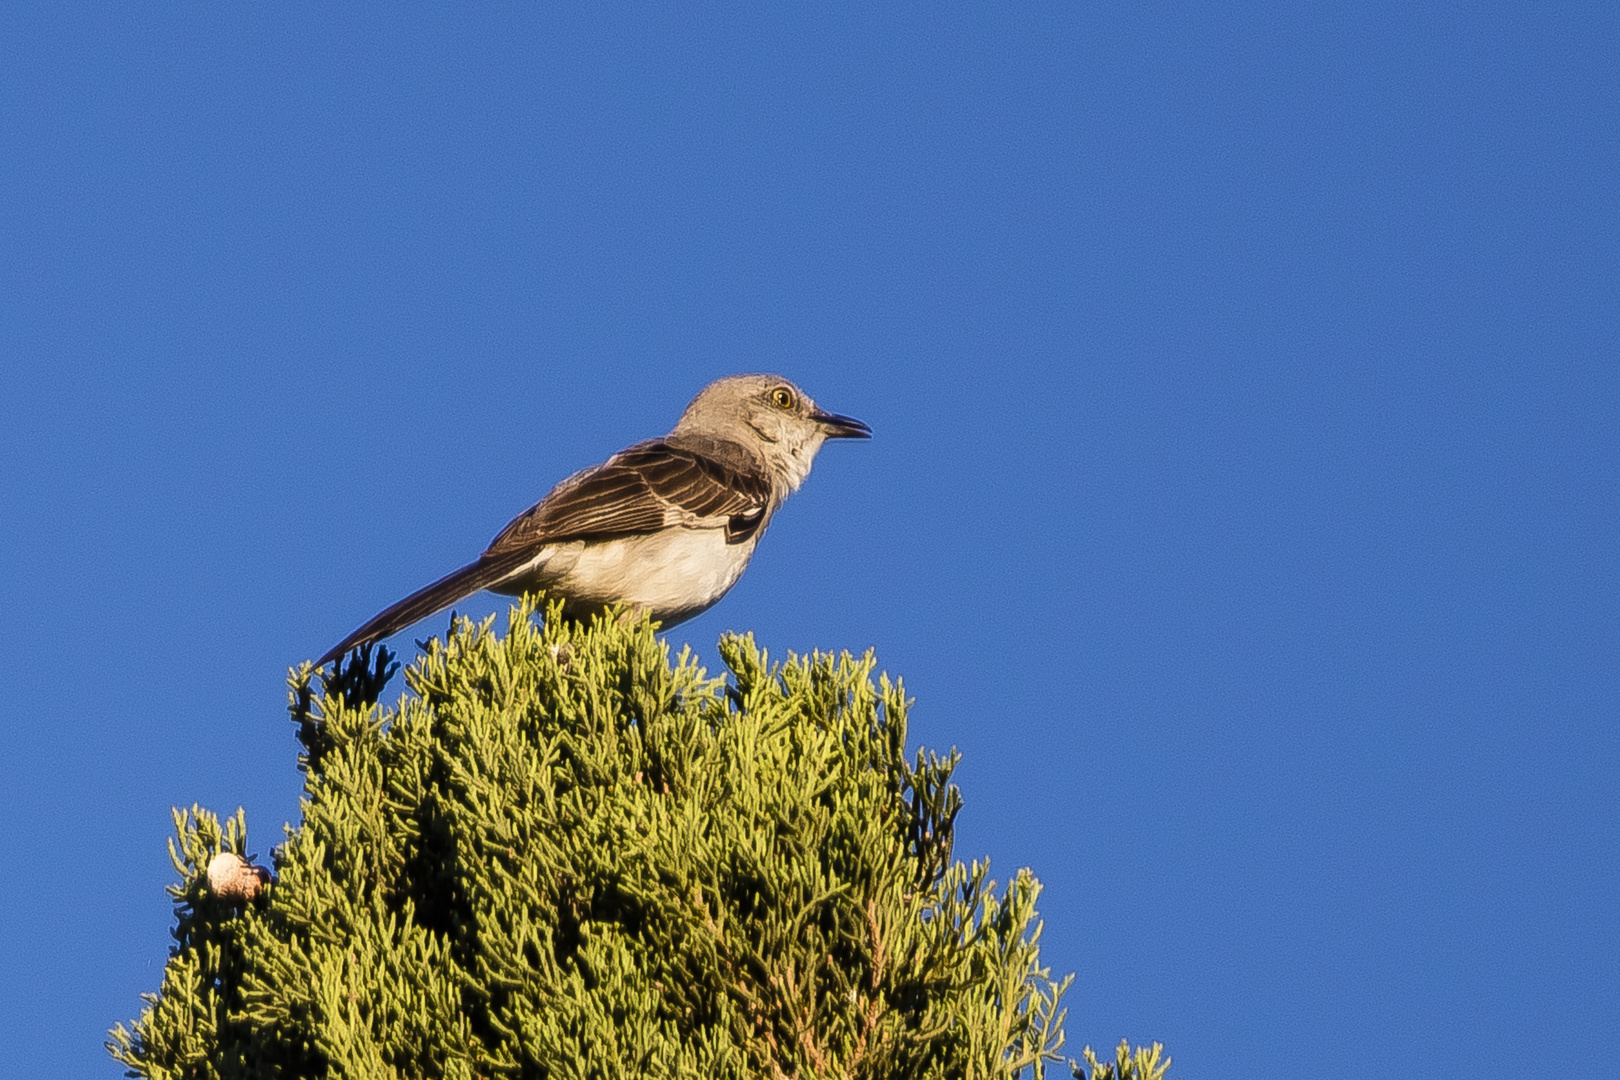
x,y
563,854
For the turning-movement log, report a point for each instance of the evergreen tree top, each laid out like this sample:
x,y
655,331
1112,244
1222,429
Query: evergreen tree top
x,y
565,853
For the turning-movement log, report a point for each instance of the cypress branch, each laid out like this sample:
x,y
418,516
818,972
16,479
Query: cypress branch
x,y
565,853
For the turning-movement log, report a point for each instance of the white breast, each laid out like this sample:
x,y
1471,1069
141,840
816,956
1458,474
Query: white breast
x,y
674,574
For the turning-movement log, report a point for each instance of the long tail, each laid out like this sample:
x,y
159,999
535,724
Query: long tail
x,y
426,601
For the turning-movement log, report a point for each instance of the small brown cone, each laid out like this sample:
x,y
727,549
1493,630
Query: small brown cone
x,y
233,878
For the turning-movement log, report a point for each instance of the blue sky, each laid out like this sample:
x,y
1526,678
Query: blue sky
x,y
1245,500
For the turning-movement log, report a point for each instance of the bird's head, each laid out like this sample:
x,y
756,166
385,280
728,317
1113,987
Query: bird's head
x,y
772,418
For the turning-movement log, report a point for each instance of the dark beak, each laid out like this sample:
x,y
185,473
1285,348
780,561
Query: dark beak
x,y
841,427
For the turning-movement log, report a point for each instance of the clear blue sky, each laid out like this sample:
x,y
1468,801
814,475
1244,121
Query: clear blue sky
x,y
1245,500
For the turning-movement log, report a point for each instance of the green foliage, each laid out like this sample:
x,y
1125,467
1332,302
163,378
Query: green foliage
x,y
563,855
1143,1063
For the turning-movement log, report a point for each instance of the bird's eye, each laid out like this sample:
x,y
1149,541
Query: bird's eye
x,y
782,397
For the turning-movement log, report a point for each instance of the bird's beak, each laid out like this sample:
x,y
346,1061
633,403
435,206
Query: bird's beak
x,y
841,427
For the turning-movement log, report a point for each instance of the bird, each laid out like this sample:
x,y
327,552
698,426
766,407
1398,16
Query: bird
x,y
666,526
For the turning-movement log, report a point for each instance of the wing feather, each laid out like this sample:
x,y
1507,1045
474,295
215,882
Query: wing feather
x,y
648,487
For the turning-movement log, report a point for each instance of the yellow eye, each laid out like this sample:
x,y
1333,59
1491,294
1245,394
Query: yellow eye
x,y
782,397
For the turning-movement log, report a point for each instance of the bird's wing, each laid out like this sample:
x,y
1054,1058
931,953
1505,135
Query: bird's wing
x,y
648,487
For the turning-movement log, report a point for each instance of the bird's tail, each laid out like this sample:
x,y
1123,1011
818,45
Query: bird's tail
x,y
426,601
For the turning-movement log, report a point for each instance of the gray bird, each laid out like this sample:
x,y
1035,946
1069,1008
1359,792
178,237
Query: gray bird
x,y
666,526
